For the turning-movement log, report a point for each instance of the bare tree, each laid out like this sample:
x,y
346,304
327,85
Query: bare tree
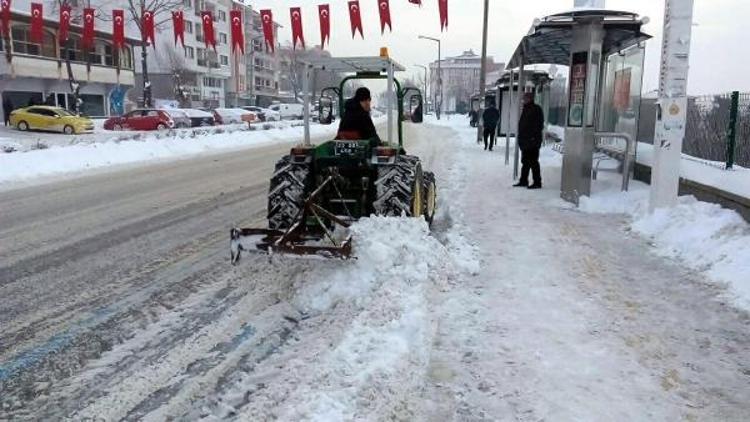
x,y
169,56
161,10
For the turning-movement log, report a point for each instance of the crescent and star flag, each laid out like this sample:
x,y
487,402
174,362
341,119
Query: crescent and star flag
x,y
297,34
178,23
5,17
238,34
118,29
324,11
266,16
62,32
384,8
208,29
356,18
88,28
148,33
443,4
37,23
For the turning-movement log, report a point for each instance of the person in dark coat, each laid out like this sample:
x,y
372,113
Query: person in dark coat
x,y
356,122
530,128
490,117
7,109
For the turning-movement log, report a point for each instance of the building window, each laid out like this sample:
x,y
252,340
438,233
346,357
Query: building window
x,y
225,60
222,16
187,3
190,52
126,58
201,54
74,49
109,59
22,43
188,27
211,82
222,38
198,32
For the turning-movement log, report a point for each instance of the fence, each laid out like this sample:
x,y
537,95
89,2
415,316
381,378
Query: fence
x,y
709,135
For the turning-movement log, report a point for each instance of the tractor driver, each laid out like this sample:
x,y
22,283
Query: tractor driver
x,y
356,123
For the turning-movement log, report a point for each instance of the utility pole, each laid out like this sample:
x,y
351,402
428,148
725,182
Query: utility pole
x,y
439,94
671,115
483,74
426,96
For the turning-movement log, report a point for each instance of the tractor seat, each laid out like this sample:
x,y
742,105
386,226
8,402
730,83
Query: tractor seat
x,y
348,135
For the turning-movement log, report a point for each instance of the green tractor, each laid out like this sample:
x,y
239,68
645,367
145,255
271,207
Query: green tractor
x,y
316,189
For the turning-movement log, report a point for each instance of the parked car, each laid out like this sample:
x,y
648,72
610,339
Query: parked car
x,y
199,118
226,116
49,118
264,114
141,119
181,119
288,111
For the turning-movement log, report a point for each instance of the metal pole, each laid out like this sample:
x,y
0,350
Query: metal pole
x,y
389,102
521,91
306,98
483,74
425,80
440,82
672,106
732,135
508,123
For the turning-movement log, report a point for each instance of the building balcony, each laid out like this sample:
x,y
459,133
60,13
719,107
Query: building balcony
x,y
47,68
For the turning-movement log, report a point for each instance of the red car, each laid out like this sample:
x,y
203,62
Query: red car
x,y
142,119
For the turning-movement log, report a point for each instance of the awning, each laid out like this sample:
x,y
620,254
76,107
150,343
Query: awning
x,y
549,39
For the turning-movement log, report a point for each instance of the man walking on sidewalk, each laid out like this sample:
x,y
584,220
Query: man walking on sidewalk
x,y
490,117
530,128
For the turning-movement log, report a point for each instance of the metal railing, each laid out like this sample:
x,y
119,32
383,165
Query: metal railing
x,y
627,156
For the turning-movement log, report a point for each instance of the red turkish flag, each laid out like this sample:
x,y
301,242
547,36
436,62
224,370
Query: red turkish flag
x,y
297,33
355,17
5,18
118,29
324,11
88,28
178,23
62,32
37,23
147,31
266,16
385,15
238,33
443,5
208,29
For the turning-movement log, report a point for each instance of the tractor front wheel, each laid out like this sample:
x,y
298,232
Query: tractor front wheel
x,y
287,193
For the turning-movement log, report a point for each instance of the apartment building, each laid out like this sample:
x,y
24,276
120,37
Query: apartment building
x,y
37,72
461,75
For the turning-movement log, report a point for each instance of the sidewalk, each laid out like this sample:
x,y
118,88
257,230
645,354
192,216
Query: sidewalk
x,y
573,317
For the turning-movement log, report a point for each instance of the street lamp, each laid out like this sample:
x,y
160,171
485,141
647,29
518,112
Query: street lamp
x,y
425,79
439,95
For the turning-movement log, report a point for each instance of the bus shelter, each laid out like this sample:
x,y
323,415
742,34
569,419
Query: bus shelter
x,y
604,51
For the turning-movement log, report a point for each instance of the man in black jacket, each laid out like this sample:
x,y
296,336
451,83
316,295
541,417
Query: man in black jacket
x,y
356,122
530,128
490,117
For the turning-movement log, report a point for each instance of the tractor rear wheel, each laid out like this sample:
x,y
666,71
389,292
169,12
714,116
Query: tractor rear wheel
x,y
429,195
287,193
400,188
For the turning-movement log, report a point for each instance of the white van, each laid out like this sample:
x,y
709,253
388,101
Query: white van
x,y
289,111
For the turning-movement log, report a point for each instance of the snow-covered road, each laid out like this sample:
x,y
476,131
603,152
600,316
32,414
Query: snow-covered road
x,y
514,307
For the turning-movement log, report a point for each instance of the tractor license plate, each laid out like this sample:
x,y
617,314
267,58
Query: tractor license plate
x,y
345,148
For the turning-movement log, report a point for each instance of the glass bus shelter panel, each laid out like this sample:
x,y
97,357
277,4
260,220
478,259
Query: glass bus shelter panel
x,y
620,99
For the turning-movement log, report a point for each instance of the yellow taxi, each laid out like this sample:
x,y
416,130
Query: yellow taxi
x,y
49,118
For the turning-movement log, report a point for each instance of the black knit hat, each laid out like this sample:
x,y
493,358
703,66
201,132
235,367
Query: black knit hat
x,y
362,94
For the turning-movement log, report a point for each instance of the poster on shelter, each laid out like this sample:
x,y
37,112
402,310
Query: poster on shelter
x,y
577,89
621,100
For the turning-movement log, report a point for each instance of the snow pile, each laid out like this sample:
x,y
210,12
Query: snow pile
x,y
385,248
705,236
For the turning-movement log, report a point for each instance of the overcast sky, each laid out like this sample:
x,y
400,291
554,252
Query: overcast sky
x,y
719,50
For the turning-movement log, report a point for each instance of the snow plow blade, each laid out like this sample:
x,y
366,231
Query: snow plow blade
x,y
268,241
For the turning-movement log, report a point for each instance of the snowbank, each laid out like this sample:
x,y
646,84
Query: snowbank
x,y
149,148
706,237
